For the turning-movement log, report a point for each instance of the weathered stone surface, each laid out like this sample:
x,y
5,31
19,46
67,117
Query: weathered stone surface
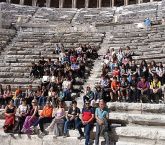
x,y
141,119
137,107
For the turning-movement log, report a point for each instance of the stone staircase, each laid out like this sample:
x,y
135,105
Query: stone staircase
x,y
148,45
30,46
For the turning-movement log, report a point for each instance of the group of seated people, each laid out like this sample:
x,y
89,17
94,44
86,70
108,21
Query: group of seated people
x,y
28,119
123,80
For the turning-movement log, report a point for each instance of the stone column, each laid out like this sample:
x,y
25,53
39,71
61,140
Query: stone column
x,y
74,3
151,0
125,2
48,3
86,3
140,1
8,1
34,3
99,3
113,3
61,3
21,2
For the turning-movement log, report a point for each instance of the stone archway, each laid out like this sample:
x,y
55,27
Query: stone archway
x,y
67,4
81,4
118,3
28,2
105,3
54,3
41,3
15,1
92,3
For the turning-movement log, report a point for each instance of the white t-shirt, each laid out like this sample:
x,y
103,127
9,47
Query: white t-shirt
x,y
45,79
23,109
66,84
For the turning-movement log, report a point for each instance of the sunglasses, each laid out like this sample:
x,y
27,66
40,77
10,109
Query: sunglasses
x,y
87,103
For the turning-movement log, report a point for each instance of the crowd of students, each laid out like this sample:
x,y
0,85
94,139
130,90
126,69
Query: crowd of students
x,y
124,80
121,80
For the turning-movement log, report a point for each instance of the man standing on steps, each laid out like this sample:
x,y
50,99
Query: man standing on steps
x,y
102,124
86,122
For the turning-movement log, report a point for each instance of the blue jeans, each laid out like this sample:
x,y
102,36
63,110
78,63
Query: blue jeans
x,y
87,128
67,123
42,101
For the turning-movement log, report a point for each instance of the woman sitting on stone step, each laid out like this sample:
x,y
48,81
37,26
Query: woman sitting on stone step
x,y
31,118
10,111
57,123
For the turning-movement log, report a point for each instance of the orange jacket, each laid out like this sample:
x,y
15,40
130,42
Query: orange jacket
x,y
47,111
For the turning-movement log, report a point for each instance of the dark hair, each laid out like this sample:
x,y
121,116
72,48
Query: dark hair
x,y
74,102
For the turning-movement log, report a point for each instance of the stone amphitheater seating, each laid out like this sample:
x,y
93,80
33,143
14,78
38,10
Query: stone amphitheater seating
x,y
5,36
140,124
29,47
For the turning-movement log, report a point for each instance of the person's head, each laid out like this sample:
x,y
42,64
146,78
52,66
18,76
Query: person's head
x,y
120,49
8,87
30,87
102,104
133,62
48,104
88,88
115,79
127,48
133,77
60,103
156,79
11,102
143,79
143,63
74,103
42,58
87,104
124,78
34,102
116,67
160,64
153,63
23,101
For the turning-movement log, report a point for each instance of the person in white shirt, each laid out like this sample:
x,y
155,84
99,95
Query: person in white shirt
x,y
23,111
66,86
45,79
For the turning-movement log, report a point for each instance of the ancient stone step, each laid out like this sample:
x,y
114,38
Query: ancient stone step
x,y
140,119
137,107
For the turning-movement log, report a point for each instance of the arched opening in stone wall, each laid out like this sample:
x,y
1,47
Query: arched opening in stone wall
x,y
146,1
15,1
119,3
28,2
41,3
92,3
131,2
105,3
80,4
54,3
67,4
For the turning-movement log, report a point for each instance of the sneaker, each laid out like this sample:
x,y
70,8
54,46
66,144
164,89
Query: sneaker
x,y
54,136
81,137
66,135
